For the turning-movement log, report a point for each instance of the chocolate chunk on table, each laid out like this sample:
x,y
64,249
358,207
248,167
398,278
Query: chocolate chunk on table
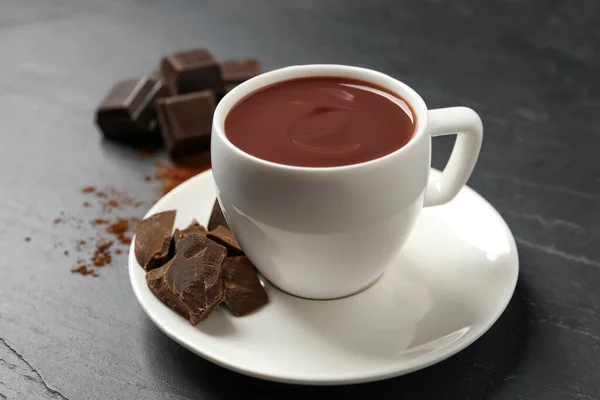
x,y
243,291
192,71
127,112
186,121
224,237
235,72
217,217
153,240
191,282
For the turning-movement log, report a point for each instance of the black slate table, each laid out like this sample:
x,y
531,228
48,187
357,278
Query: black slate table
x,y
531,69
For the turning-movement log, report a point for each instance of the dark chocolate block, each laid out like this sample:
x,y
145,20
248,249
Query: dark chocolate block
x,y
127,112
243,291
224,237
158,76
191,283
185,122
217,217
192,71
153,240
235,72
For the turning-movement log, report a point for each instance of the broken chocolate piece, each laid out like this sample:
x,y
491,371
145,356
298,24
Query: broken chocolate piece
x,y
192,71
193,228
217,217
127,112
235,72
243,291
186,122
153,244
191,282
224,237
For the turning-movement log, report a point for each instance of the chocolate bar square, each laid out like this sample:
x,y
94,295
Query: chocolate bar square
x,y
192,71
186,121
127,112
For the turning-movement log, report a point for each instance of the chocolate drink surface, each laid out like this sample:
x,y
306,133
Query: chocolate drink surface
x,y
320,122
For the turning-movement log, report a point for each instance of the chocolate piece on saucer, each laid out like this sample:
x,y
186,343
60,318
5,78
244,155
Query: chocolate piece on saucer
x,y
224,237
243,291
194,228
153,240
217,217
191,283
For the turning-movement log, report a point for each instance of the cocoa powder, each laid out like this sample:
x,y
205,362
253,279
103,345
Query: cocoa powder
x,y
84,270
112,201
172,175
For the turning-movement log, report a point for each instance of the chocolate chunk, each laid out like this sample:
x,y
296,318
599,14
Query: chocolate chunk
x,y
217,217
127,112
243,291
186,122
193,228
153,244
192,71
224,237
235,72
191,283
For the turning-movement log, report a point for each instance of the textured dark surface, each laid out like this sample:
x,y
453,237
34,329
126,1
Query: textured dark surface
x,y
530,68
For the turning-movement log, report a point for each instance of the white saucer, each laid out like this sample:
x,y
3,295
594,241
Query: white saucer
x,y
454,278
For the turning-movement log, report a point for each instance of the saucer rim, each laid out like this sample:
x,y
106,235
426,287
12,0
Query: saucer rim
x,y
371,375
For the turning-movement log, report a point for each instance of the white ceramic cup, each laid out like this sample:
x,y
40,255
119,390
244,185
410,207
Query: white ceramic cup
x,y
330,232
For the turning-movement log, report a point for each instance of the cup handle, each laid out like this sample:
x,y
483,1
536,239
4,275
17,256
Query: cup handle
x,y
467,125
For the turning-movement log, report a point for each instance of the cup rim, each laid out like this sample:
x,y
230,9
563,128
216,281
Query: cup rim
x,y
409,95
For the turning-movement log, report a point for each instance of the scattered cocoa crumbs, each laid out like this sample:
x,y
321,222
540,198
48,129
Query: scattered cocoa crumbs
x,y
102,256
123,239
28,239
121,199
121,225
173,175
110,205
97,251
84,270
